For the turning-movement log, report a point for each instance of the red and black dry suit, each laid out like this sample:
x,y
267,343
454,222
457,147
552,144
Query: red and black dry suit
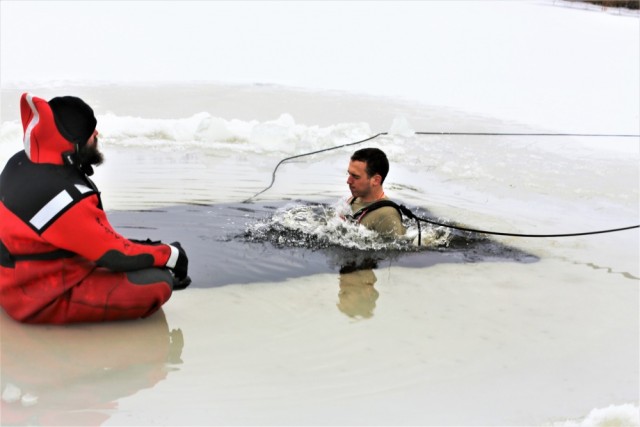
x,y
60,259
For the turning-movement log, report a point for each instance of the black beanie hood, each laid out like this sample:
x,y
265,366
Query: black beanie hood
x,y
74,118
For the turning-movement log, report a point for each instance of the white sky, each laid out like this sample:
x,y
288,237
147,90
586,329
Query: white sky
x,y
529,61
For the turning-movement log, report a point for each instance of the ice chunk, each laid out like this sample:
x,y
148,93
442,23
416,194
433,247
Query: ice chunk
x,y
11,393
29,399
401,127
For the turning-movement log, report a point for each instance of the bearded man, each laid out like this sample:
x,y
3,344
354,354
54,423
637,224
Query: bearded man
x,y
60,259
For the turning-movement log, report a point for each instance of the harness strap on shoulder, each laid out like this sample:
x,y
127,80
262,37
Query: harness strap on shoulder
x,y
402,210
358,215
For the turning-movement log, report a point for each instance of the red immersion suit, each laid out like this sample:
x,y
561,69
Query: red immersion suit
x,y
60,259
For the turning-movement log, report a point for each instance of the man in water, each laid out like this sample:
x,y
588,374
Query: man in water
x,y
368,169
60,259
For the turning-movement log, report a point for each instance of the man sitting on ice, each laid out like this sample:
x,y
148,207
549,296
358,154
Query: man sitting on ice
x,y
60,259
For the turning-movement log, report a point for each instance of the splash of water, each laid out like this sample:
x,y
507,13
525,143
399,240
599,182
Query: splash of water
x,y
320,226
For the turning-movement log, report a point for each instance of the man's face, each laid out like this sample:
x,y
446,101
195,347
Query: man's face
x,y
89,154
358,180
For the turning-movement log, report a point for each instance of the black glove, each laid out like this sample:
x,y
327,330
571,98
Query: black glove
x,y
179,285
146,242
182,264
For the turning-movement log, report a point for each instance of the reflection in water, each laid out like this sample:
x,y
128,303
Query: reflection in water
x,y
357,295
74,375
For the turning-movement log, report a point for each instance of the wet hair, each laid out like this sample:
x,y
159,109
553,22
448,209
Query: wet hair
x,y
375,159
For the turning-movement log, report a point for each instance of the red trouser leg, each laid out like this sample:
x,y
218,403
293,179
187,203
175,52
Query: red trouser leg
x,y
105,295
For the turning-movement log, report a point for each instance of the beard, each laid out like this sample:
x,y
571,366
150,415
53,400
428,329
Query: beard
x,y
89,154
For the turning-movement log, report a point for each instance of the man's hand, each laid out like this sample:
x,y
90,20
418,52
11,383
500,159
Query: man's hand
x,y
181,264
179,285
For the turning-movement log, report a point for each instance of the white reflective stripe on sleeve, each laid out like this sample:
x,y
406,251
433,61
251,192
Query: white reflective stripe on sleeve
x,y
51,209
83,188
173,258
34,121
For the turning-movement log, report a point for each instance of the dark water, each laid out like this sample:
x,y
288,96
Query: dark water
x,y
225,246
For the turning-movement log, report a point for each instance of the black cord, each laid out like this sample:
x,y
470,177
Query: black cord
x,y
597,135
411,215
408,212
273,175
